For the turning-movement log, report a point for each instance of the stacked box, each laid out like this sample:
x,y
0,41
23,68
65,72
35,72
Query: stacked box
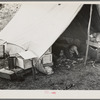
x,y
24,64
47,58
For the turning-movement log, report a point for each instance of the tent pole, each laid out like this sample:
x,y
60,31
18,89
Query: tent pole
x,y
88,34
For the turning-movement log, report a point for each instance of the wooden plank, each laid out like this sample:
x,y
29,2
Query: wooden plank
x,y
94,44
12,75
7,74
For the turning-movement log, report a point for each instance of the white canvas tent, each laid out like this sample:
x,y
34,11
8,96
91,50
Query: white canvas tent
x,y
36,26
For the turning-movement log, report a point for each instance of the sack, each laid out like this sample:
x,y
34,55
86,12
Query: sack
x,y
46,70
49,70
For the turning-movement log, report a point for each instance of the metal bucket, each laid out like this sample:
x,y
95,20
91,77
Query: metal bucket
x,y
12,62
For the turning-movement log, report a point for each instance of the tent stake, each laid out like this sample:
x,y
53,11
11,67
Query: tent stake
x,y
88,34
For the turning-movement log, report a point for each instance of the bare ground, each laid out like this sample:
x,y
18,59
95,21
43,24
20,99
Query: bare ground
x,y
78,77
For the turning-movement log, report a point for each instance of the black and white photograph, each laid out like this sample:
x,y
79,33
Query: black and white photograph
x,y
49,46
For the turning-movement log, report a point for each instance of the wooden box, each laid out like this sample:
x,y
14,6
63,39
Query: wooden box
x,y
24,64
47,59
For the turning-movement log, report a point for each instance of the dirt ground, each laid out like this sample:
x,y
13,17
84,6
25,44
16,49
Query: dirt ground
x,y
77,77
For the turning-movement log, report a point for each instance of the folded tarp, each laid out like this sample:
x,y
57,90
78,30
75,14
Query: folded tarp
x,y
36,26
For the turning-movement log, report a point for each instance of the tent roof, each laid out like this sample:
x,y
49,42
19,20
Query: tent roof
x,y
36,26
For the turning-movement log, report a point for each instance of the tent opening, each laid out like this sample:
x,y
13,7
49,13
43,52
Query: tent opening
x,y
76,33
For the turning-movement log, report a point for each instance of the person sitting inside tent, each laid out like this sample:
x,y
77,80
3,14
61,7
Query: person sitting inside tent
x,y
72,52
67,57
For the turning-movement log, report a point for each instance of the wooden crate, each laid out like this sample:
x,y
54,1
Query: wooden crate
x,y
47,59
24,64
